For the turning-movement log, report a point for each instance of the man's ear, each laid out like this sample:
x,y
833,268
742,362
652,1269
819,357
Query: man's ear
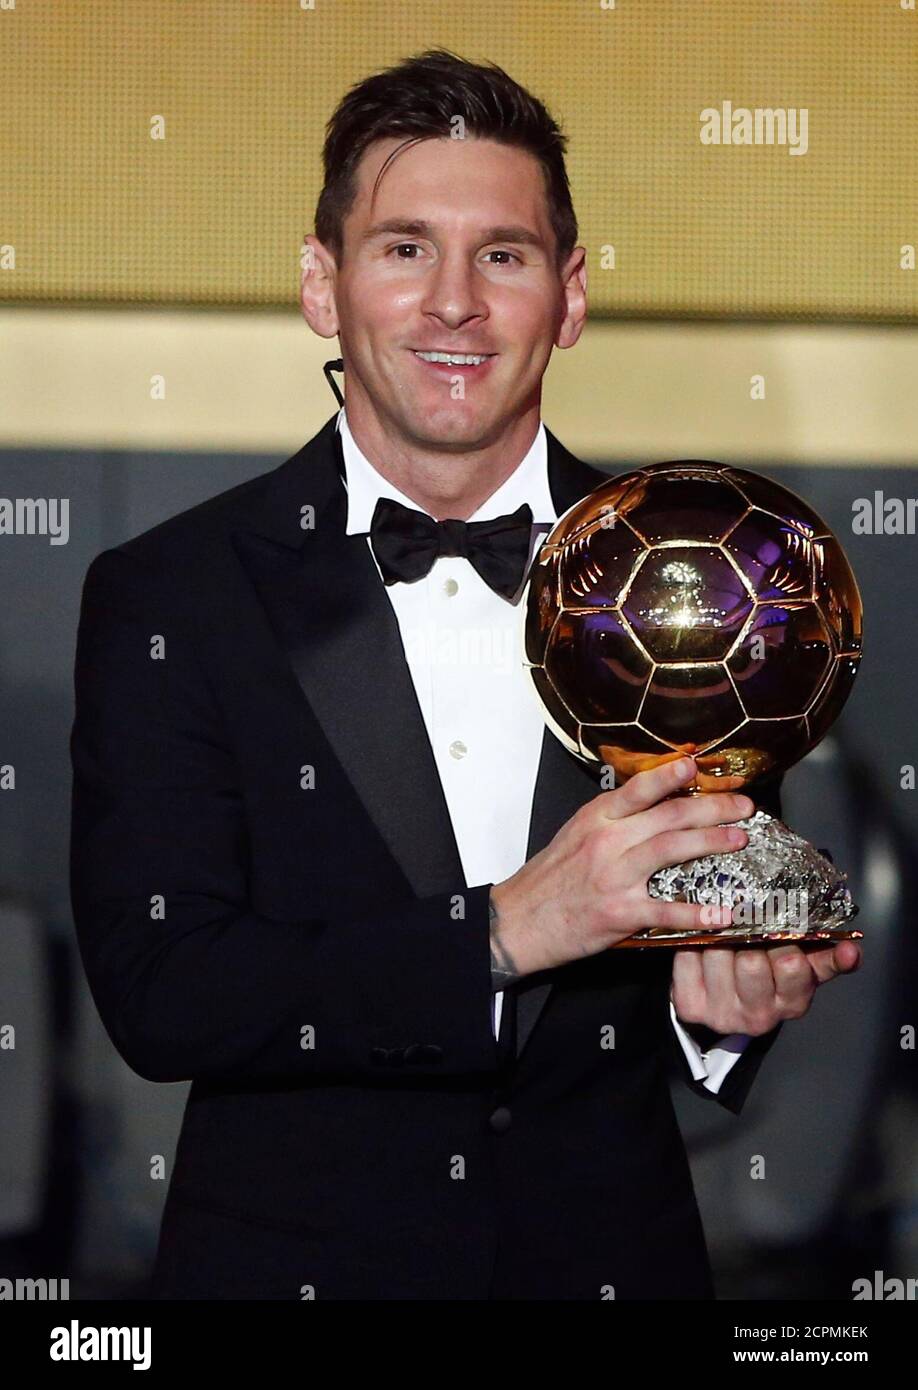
x,y
574,304
317,287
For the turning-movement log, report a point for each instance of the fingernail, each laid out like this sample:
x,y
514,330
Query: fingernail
x,y
684,766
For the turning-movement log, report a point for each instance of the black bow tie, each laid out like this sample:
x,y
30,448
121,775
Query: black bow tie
x,y
407,542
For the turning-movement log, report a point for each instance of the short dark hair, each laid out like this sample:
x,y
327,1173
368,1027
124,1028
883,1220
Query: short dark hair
x,y
419,98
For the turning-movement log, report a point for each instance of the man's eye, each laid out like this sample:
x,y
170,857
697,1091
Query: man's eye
x,y
413,246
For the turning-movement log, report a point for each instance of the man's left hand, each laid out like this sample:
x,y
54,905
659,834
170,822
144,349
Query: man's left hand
x,y
752,990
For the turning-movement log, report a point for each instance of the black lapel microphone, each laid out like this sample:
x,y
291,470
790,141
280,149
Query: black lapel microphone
x,y
335,365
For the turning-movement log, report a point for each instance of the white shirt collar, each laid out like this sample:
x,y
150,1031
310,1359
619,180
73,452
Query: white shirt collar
x,y
527,483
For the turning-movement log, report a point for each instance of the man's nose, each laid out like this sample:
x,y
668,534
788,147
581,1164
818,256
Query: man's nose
x,y
455,292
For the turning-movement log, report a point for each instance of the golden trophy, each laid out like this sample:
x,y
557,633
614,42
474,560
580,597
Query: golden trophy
x,y
695,608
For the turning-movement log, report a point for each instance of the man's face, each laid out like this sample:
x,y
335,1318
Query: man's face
x,y
455,253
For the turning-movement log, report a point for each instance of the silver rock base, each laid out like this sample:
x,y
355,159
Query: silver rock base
x,y
782,888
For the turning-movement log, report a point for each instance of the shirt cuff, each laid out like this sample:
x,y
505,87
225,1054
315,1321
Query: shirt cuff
x,y
709,1067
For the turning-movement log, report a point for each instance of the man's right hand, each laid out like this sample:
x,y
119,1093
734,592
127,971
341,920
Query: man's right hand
x,y
587,889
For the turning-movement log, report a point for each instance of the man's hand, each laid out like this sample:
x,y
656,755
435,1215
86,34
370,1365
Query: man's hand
x,y
587,889
752,990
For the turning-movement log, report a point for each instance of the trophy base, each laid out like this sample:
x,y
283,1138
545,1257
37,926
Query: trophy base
x,y
682,940
780,887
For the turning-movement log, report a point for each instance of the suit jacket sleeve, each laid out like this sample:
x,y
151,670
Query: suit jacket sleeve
x,y
190,983
736,1085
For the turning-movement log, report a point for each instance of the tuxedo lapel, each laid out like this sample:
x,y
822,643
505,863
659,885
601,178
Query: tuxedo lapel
x,y
329,610
563,783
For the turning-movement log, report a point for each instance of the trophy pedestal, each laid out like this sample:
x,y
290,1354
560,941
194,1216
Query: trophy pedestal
x,y
780,887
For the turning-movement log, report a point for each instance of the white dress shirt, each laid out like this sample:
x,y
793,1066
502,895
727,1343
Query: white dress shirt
x,y
463,645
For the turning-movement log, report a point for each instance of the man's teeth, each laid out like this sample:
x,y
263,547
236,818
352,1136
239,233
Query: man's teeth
x,y
453,359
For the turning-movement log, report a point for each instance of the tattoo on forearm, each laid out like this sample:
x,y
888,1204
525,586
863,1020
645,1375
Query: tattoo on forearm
x,y
504,971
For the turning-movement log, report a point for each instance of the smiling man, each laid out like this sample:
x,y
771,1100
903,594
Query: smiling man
x,y
343,879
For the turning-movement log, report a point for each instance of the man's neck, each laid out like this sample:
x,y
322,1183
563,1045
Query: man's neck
x,y
440,482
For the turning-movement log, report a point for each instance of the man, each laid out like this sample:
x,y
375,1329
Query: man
x,y
336,872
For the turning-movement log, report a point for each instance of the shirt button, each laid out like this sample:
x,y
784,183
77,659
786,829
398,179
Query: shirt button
x,y
450,587
457,748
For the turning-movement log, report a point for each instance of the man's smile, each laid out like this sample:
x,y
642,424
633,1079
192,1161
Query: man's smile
x,y
449,363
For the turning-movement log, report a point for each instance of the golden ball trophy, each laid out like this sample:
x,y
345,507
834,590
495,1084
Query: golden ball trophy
x,y
695,608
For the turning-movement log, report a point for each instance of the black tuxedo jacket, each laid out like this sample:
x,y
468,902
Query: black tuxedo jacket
x,y
269,902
